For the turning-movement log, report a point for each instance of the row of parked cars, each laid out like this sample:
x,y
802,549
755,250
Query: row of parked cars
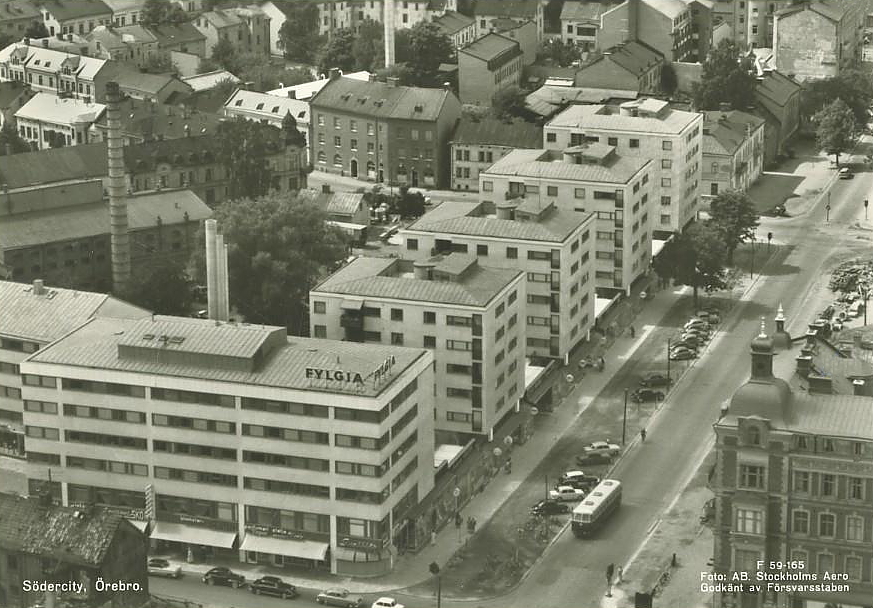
x,y
575,485
695,333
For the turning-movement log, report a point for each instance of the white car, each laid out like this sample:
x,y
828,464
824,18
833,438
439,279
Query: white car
x,y
161,567
602,447
565,493
386,602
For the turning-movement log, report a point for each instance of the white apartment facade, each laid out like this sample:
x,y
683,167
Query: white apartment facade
x,y
471,317
587,179
643,129
272,449
47,121
552,246
54,72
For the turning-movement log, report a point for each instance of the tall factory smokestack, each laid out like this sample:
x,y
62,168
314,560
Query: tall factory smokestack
x,y
388,19
119,238
217,289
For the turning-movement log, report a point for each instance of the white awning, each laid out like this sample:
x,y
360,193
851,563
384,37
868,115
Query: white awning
x,y
352,304
307,549
142,526
193,536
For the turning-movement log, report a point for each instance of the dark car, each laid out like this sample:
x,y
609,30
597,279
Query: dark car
x,y
549,507
582,482
655,380
593,458
273,585
642,395
339,597
224,576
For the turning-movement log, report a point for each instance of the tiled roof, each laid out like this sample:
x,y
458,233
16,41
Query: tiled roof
x,y
633,57
50,60
63,10
16,10
384,278
604,118
340,203
208,80
307,89
133,80
138,33
491,131
54,165
506,8
576,10
95,345
670,8
380,99
125,5
775,88
149,121
59,110
725,132
46,317
832,415
452,22
172,34
492,46
221,18
108,38
272,107
546,164
81,221
554,227
549,99
829,11
57,532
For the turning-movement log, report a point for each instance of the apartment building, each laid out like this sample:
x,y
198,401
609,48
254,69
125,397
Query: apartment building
x,y
586,178
247,28
383,132
268,109
125,12
733,152
54,72
335,15
460,28
469,315
580,22
73,16
47,121
491,63
35,315
793,478
493,15
644,129
16,16
554,247
665,25
478,142
287,451
630,66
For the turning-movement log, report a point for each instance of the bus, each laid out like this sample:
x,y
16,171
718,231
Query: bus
x,y
593,512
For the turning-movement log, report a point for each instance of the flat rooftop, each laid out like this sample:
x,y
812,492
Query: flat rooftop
x,y
549,164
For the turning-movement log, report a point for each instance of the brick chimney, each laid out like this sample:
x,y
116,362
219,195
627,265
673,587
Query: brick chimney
x,y
119,237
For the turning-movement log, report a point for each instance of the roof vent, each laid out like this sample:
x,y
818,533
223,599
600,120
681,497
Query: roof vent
x,y
418,108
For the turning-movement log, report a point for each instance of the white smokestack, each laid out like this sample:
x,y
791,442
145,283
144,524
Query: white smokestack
x,y
223,313
211,270
388,19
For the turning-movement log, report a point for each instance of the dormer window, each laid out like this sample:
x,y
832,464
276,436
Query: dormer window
x,y
753,435
238,103
260,106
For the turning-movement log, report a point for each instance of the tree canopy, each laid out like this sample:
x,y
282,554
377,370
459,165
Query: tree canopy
x,y
278,247
298,36
9,137
339,51
725,79
423,47
696,258
734,214
368,48
241,146
160,12
508,102
561,53
853,86
163,288
836,128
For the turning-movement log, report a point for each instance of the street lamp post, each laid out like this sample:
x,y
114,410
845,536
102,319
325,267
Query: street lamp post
x,y
624,420
866,204
668,360
828,212
864,295
752,269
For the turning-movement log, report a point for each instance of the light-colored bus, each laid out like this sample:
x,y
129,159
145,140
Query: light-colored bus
x,y
592,512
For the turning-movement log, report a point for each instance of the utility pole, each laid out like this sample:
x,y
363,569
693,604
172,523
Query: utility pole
x,y
828,210
668,360
624,420
866,204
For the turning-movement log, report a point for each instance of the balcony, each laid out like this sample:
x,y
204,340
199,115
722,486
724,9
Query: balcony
x,y
354,322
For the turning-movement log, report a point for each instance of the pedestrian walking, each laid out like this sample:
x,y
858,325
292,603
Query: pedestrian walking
x,y
633,332
619,575
643,434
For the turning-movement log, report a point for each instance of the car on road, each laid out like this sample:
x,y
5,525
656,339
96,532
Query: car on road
x,y
593,458
697,333
578,479
698,324
642,395
846,173
548,507
602,447
339,597
273,585
161,567
223,576
386,602
688,340
682,354
566,494
654,380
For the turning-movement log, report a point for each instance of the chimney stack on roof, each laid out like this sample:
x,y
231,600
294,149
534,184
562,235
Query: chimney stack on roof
x,y
858,387
119,237
292,94
38,287
325,188
334,73
423,270
392,81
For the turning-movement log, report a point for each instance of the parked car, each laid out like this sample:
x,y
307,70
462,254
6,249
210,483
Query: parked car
x,y
578,479
696,324
566,493
689,340
593,458
846,173
642,395
602,447
386,602
682,354
548,507
700,334
161,567
224,576
273,585
655,379
339,597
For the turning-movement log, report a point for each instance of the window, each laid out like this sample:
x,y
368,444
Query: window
x,y
551,137
827,444
396,338
482,250
751,476
336,123
855,528
750,521
666,163
512,253
320,331
396,314
827,524
487,186
43,407
666,145
800,522
458,417
666,182
429,342
319,307
579,193
634,143
856,488
853,568
828,485
429,317
42,432
337,141
666,201
552,190
825,563
801,481
612,141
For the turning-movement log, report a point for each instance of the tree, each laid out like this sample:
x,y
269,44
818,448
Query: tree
x,y
836,128
734,214
10,140
265,75
410,204
36,29
559,52
241,146
508,102
165,289
298,36
368,48
696,258
853,86
399,71
160,12
278,246
339,51
158,63
225,55
725,79
423,47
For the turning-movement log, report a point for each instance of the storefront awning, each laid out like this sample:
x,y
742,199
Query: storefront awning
x,y
181,533
142,526
352,304
307,549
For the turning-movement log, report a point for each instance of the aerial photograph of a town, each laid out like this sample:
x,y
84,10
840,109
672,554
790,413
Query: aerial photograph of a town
x,y
436,303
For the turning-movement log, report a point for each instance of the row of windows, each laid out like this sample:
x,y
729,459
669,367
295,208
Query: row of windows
x,y
849,487
110,466
827,525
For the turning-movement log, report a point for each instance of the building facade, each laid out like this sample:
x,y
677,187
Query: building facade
x,y
47,121
644,129
54,72
492,15
554,248
491,63
468,315
586,179
383,132
288,451
664,25
777,97
630,66
460,28
733,152
74,16
479,142
246,28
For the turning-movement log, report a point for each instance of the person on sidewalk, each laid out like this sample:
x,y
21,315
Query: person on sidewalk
x,y
633,332
619,576
643,434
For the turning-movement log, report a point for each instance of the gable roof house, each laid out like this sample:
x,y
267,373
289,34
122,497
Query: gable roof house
x,y
777,98
631,66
